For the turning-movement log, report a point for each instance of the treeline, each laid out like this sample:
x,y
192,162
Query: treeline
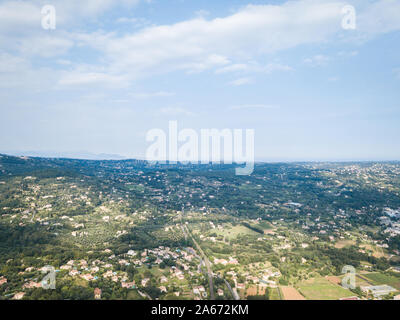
x,y
351,256
142,238
14,237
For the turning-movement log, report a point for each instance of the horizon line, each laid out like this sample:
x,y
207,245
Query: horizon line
x,y
261,161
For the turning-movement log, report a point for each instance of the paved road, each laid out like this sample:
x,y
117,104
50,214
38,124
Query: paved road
x,y
208,266
232,291
144,294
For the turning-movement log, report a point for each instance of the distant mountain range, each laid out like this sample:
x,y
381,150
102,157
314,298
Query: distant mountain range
x,y
71,155
83,155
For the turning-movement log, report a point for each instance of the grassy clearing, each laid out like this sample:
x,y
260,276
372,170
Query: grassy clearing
x,y
381,278
266,227
360,282
134,295
235,231
344,243
322,289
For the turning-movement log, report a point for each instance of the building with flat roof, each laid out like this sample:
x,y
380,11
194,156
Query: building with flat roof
x,y
379,291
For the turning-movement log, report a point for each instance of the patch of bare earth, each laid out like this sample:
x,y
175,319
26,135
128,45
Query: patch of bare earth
x,y
334,280
290,293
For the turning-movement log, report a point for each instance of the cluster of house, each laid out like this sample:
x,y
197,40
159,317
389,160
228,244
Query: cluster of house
x,y
392,227
392,213
225,262
91,271
199,292
262,279
82,269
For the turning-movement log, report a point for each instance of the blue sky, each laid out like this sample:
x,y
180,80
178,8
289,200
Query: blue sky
x,y
112,70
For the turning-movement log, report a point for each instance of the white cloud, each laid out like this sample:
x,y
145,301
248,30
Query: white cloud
x,y
44,45
64,62
254,67
21,30
18,72
175,111
348,53
317,60
210,61
25,15
78,78
240,82
233,68
199,44
253,106
133,21
276,67
18,17
146,95
10,63
76,11
228,44
379,17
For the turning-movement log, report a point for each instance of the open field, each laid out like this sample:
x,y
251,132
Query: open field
x,y
134,295
376,251
361,281
251,291
290,293
234,231
381,278
344,243
334,280
255,290
322,289
266,227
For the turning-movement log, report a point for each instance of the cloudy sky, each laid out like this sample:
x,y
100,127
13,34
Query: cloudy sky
x,y
112,70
